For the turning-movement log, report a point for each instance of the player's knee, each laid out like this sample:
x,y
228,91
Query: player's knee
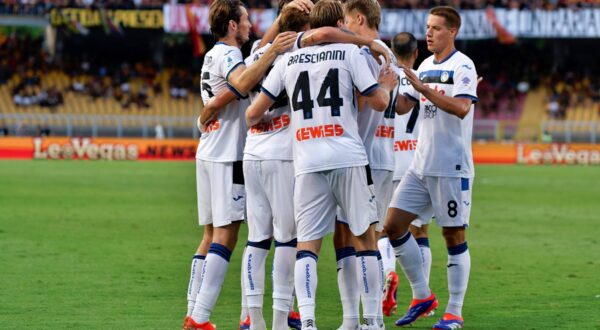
x,y
419,232
453,235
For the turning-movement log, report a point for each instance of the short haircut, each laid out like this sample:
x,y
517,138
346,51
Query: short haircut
x,y
281,4
326,13
220,13
450,14
292,19
404,44
369,8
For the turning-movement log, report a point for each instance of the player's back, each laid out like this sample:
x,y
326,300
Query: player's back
x,y
406,129
224,138
320,82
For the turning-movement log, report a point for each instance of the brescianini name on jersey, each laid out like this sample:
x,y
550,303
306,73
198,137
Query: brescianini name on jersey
x,y
320,82
444,147
224,139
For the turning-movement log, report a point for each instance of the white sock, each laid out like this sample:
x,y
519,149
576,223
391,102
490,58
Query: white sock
x,y
283,277
348,286
387,255
382,280
409,256
213,272
257,321
253,270
369,276
280,320
426,255
245,313
459,267
305,278
195,277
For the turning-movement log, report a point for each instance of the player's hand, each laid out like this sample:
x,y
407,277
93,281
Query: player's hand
x,y
378,50
388,78
414,80
283,42
303,5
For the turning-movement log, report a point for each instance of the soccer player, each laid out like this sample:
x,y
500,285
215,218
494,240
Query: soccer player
x,y
220,181
329,157
441,174
363,17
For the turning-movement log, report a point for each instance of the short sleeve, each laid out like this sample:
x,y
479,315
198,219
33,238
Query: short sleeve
x,y
465,81
274,83
362,79
230,61
298,44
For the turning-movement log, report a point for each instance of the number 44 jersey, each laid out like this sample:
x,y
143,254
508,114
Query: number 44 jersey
x,y
320,82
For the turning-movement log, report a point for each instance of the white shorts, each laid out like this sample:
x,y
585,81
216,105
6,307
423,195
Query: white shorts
x,y
450,198
270,188
221,193
383,185
316,196
427,215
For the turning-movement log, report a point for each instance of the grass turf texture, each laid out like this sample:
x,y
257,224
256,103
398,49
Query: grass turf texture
x,y
108,245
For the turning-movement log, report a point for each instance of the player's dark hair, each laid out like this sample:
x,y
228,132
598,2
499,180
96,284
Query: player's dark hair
x,y
404,44
450,14
326,13
292,19
220,13
281,4
369,8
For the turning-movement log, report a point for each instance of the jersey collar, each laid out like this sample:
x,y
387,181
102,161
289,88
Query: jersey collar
x,y
447,57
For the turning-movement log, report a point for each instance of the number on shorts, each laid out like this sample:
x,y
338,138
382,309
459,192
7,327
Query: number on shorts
x,y
452,211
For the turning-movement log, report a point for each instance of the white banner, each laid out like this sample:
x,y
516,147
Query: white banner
x,y
561,23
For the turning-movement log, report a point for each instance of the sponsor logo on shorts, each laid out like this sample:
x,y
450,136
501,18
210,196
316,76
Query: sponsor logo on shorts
x,y
238,198
317,132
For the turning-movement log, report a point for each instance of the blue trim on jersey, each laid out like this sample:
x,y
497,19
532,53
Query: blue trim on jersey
x,y
220,43
447,58
306,254
467,96
220,250
410,97
234,67
265,245
436,75
369,90
299,41
458,249
464,184
235,91
344,252
269,94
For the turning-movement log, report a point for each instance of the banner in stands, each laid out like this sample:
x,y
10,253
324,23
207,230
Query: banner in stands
x,y
135,19
476,24
536,154
97,148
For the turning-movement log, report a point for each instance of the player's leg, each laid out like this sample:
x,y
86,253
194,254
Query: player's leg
x,y
278,181
260,231
419,230
410,199
452,206
347,278
314,209
354,191
228,204
244,314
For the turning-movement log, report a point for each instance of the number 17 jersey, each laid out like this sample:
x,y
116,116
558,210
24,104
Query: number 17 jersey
x,y
320,81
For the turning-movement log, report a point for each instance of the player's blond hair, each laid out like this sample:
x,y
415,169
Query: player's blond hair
x,y
326,13
369,8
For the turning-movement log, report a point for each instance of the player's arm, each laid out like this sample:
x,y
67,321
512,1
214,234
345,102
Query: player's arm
x,y
379,99
330,34
273,30
219,101
404,103
257,109
243,78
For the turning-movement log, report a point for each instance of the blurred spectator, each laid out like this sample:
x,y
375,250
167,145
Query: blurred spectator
x,y
179,84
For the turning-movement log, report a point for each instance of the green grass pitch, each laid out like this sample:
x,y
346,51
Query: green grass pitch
x,y
108,245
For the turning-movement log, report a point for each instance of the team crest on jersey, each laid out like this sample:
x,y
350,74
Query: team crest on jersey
x,y
444,77
229,62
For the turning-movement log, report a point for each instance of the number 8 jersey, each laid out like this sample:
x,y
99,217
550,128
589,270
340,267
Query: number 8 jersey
x,y
319,82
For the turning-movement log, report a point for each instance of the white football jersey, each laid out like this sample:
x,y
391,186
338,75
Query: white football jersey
x,y
406,129
444,147
270,139
377,128
319,81
224,139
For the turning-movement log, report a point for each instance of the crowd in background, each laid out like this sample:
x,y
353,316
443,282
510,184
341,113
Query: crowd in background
x,y
38,7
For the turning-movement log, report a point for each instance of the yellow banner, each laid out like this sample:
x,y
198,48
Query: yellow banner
x,y
136,19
